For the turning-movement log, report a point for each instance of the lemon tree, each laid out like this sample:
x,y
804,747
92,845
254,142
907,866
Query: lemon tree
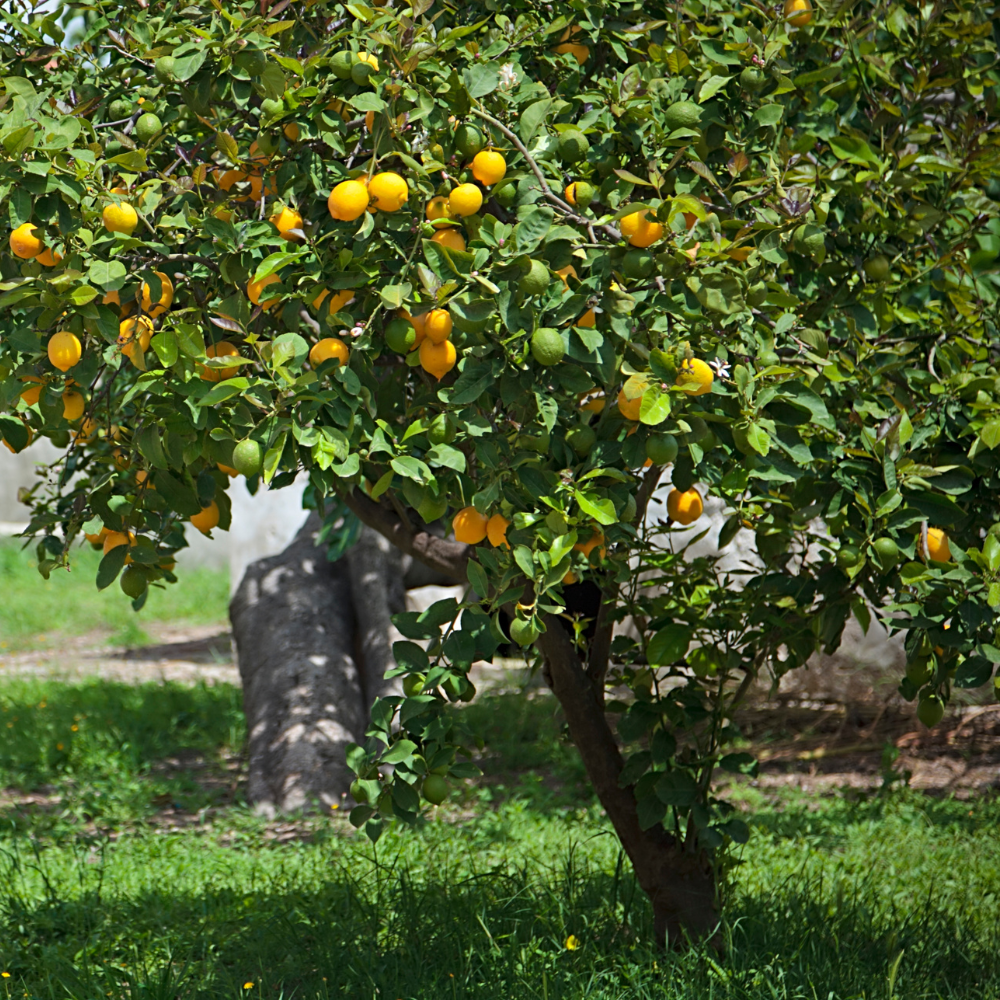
x,y
522,271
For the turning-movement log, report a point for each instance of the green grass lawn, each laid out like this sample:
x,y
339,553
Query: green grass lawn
x,y
36,613
99,899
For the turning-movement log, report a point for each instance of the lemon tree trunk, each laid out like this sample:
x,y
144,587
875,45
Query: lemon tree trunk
x,y
313,645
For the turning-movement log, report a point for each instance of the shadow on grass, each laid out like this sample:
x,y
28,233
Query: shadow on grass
x,y
403,931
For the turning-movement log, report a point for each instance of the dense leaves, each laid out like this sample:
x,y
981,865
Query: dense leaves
x,y
810,204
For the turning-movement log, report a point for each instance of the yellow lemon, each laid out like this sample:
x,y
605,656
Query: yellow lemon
x,y
348,201
438,359
695,377
488,167
329,347
465,200
389,191
450,238
121,218
64,350
166,299
24,243
285,221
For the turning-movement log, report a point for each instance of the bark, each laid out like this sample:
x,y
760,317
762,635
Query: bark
x,y
679,883
303,693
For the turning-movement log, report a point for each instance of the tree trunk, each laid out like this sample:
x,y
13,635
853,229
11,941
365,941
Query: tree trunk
x,y
679,883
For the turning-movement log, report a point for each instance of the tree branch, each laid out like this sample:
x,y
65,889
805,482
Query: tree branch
x,y
448,558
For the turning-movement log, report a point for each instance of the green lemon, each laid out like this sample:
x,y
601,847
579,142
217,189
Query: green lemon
x,y
341,63
360,72
918,670
442,429
133,582
638,264
413,684
573,146
536,280
682,114
751,79
877,267
583,193
809,241
930,711
581,439
539,444
661,449
147,127
117,110
506,194
523,632
400,335
435,789
164,69
468,140
547,346
247,458
848,557
358,791
887,552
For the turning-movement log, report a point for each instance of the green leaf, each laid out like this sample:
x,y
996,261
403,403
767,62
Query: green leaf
x,y
678,789
655,406
669,645
178,495
445,456
768,114
83,294
990,434
367,100
274,262
410,656
601,510
134,161
165,346
111,565
186,66
531,230
106,273
853,149
477,577
400,752
225,390
472,383
532,118
758,439
273,456
711,87
412,468
481,79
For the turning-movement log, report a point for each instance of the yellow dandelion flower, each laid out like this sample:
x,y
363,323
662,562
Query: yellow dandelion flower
x,y
572,942
74,729
6,975
248,986
59,746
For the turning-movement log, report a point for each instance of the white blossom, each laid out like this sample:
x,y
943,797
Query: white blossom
x,y
508,76
721,368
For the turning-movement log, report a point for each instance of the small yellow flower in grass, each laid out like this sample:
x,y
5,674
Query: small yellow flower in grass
x,y
59,746
74,729
6,975
248,986
572,942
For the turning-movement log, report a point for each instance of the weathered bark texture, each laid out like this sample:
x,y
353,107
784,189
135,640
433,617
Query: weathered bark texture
x,y
304,693
680,883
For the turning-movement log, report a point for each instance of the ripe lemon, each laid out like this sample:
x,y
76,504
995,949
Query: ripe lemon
x,y
164,302
254,288
223,349
437,326
695,377
389,191
97,539
64,350
329,347
121,218
33,393
593,404
227,469
207,518
469,526
640,230
367,57
291,131
629,408
595,540
496,531
419,323
438,359
23,242
938,549
87,431
798,12
437,208
581,53
564,273
49,257
588,319
136,331
115,538
465,200
684,507
337,301
488,167
257,190
450,238
579,194
348,201
73,404
286,220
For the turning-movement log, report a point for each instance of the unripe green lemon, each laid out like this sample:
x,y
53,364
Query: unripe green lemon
x,y
358,791
580,193
547,346
413,684
887,552
133,582
682,114
848,557
341,63
435,789
360,72
573,146
536,280
505,194
118,110
581,439
271,109
877,267
808,240
930,711
918,670
384,803
247,458
400,335
751,79
442,429
638,264
468,140
661,449
756,294
113,147
523,632
164,69
147,127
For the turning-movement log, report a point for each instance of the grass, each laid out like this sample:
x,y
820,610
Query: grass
x,y
831,897
36,613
